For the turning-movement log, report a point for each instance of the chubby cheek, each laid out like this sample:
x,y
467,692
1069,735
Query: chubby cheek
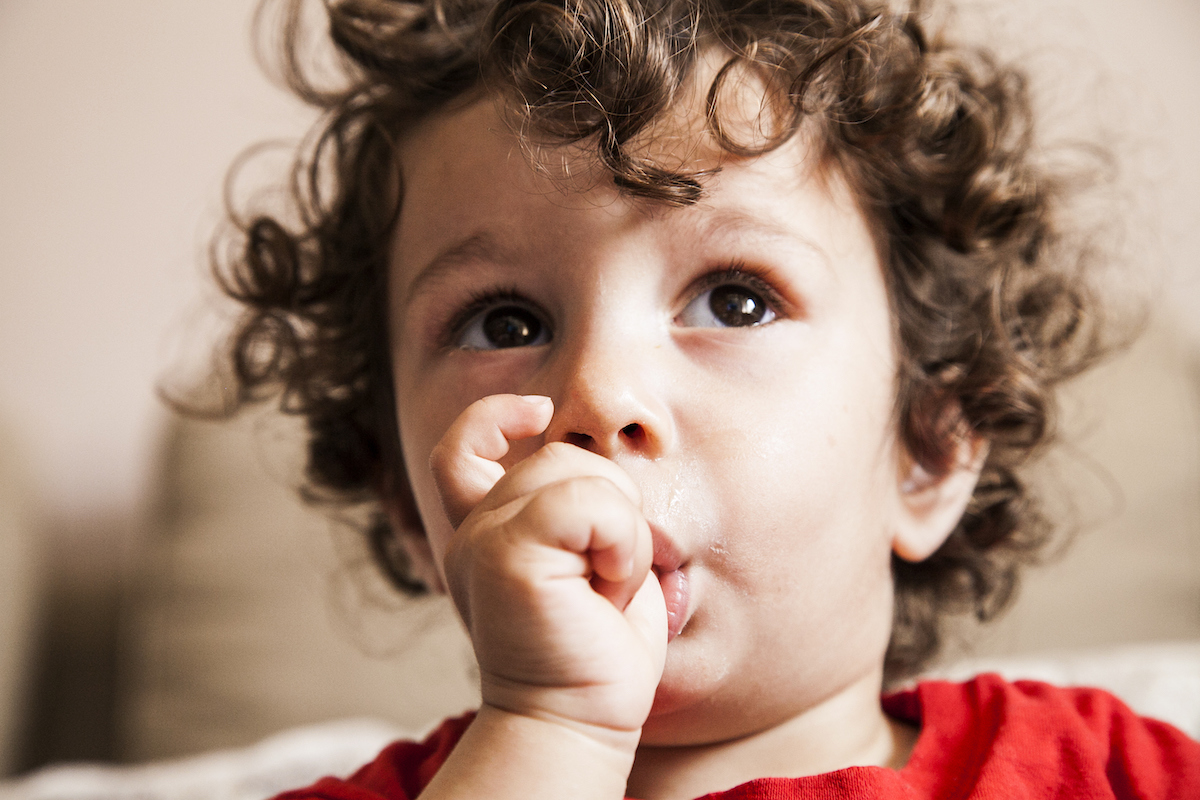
x,y
423,416
427,404
804,464
416,448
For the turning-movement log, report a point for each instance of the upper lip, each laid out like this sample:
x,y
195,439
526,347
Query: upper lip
x,y
667,555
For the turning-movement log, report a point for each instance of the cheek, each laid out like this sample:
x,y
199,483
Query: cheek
x,y
800,425
427,404
424,411
417,437
806,457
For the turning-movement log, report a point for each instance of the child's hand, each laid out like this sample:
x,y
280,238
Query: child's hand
x,y
549,567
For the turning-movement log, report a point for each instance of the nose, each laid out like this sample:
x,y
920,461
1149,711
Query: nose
x,y
608,398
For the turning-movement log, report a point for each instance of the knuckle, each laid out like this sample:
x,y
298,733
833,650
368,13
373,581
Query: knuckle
x,y
583,490
541,506
559,451
564,503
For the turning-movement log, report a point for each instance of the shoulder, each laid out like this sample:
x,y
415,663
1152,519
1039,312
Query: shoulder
x,y
992,731
399,772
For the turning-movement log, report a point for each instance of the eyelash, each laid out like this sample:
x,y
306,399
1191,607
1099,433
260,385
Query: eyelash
x,y
737,272
740,273
482,300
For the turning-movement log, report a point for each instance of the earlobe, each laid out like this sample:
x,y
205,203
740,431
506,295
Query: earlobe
x,y
931,505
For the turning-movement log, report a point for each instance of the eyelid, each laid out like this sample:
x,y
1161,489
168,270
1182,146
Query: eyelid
x,y
751,277
479,302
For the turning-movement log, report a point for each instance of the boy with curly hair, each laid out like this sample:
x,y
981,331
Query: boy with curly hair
x,y
692,348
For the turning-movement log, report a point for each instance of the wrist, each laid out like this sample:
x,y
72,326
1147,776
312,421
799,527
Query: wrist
x,y
613,746
612,716
504,754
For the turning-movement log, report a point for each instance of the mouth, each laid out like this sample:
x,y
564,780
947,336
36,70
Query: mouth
x,y
671,570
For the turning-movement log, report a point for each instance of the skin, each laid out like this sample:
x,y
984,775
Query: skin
x,y
639,443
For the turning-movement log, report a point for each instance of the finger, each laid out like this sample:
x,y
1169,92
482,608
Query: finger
x,y
593,518
556,462
647,614
465,463
618,568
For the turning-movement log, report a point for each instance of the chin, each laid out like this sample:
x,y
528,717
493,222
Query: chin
x,y
691,707
699,724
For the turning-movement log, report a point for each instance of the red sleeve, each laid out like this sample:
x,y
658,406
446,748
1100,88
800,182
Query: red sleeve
x,y
1145,758
1141,759
1030,739
400,772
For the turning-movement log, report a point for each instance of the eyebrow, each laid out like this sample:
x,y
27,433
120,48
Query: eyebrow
x,y
735,221
479,246
484,246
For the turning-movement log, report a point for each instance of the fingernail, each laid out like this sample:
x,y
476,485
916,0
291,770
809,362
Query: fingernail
x,y
537,400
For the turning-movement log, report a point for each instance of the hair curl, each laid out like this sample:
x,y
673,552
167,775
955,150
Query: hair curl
x,y
936,140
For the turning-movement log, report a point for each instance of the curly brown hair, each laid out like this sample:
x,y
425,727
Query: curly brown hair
x,y
935,139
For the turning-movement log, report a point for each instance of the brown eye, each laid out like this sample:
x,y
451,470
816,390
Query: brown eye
x,y
502,327
737,306
511,327
728,305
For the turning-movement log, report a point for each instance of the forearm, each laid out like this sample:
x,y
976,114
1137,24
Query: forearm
x,y
505,756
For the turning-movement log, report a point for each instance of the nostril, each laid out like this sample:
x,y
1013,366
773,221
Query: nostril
x,y
579,440
633,434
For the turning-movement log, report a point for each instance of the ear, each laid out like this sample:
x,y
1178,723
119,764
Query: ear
x,y
932,505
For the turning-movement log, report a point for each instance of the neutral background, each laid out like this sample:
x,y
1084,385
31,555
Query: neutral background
x,y
118,120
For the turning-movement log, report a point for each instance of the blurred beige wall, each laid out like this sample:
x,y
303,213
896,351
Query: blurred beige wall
x,y
118,120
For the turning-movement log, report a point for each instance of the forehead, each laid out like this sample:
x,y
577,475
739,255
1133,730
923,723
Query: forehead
x,y
475,190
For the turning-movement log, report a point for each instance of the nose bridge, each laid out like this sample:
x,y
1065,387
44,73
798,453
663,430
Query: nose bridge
x,y
608,381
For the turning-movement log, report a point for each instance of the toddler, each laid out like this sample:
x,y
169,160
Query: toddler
x,y
692,348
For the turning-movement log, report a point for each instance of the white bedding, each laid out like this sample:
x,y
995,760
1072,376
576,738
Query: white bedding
x,y
1158,680
287,760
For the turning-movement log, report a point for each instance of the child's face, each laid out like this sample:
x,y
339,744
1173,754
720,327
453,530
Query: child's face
x,y
735,358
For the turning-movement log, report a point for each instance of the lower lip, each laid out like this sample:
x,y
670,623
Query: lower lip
x,y
675,592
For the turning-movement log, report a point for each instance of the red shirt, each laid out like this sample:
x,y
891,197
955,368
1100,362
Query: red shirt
x,y
985,739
